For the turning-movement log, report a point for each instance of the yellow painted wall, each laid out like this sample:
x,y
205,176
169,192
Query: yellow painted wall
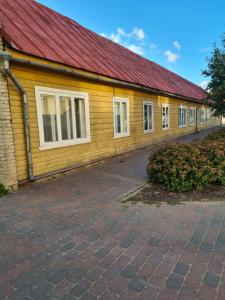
x,y
101,121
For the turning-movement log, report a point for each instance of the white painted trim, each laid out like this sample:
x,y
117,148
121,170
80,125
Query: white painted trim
x,y
148,103
125,134
57,92
165,105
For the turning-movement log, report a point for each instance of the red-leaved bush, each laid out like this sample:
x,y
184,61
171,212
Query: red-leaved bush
x,y
185,167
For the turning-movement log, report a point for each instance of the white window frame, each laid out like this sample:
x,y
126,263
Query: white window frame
x,y
192,109
150,104
164,106
183,125
202,121
57,93
122,134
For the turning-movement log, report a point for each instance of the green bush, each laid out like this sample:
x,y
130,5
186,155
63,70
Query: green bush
x,y
186,167
3,190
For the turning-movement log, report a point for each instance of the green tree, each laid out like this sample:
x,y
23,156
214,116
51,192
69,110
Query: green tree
x,y
216,73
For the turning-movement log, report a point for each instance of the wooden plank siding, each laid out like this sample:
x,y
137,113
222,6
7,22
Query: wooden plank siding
x,y
102,144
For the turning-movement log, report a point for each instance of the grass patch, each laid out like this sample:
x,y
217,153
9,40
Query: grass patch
x,y
3,190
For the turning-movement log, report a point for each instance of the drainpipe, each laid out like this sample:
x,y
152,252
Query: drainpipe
x,y
5,57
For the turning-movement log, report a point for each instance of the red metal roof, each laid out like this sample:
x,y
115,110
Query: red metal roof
x,y
34,29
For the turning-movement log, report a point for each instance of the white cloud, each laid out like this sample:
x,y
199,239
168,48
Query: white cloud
x,y
177,45
138,33
121,31
137,49
171,56
132,40
135,40
115,37
204,83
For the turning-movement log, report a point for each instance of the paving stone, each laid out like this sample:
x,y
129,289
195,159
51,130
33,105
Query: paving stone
x,y
111,272
137,284
21,292
155,260
133,235
101,253
21,279
181,268
153,242
127,294
129,271
108,295
82,246
211,279
80,288
94,274
76,274
126,243
38,294
188,293
174,281
72,235
69,297
67,247
88,296
205,247
58,276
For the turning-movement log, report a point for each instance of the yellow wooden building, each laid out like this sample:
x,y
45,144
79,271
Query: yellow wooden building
x,y
70,97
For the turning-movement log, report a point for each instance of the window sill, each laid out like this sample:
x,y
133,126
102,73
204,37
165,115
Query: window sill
x,y
165,129
121,135
148,131
64,144
192,125
182,126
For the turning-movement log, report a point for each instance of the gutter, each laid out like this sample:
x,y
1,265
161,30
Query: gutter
x,y
5,57
98,78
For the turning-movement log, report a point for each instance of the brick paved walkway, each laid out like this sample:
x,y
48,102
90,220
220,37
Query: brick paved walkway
x,y
72,239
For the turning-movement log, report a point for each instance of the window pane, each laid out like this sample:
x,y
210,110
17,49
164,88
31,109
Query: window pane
x,y
80,118
117,117
149,117
180,116
124,117
49,118
202,117
165,117
145,116
66,118
191,116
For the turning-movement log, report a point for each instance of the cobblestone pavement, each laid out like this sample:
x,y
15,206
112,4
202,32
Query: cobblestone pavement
x,y
73,239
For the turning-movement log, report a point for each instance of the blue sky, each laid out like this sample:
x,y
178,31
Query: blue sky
x,y
178,34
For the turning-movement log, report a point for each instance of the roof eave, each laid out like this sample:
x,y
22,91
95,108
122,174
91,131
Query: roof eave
x,y
107,80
